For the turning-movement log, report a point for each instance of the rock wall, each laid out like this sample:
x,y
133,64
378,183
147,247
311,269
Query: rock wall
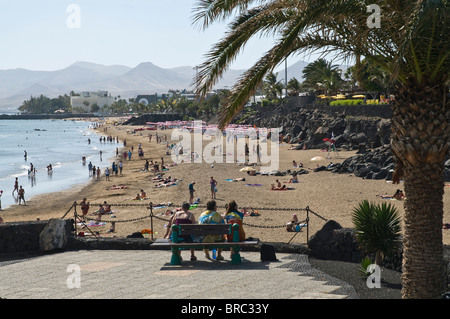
x,y
307,125
20,236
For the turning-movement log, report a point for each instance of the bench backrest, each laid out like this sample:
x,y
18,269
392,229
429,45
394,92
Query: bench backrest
x,y
204,229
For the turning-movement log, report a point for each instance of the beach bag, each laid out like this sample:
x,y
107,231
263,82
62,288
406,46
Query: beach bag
x,y
268,253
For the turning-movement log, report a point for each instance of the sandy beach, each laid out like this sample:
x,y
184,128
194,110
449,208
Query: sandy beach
x,y
330,196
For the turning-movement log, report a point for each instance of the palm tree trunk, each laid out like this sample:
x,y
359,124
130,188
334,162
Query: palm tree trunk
x,y
420,142
423,266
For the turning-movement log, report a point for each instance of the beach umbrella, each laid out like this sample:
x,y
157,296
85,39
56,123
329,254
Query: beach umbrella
x,y
247,169
317,158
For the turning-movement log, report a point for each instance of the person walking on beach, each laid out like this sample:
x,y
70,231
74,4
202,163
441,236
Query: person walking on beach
x,y
90,168
213,184
22,195
16,186
84,208
107,173
191,192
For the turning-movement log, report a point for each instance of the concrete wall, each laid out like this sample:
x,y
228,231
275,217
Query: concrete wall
x,y
20,236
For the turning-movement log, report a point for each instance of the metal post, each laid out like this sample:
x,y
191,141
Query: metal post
x,y
75,217
307,225
151,219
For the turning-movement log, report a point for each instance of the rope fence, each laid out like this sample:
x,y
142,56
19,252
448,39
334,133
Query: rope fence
x,y
305,223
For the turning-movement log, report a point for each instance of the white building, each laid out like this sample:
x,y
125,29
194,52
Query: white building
x,y
86,99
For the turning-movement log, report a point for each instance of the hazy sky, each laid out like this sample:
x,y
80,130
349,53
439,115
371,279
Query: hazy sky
x,y
52,34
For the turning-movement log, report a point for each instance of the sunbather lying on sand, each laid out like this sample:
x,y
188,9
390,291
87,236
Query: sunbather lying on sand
x,y
399,195
118,187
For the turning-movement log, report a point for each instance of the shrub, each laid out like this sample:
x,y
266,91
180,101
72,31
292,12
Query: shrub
x,y
347,102
364,265
377,229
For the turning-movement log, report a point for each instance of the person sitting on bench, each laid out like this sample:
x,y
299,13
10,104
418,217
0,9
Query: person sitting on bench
x,y
183,216
210,216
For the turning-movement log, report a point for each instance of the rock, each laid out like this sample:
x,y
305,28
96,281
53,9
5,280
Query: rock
x,y
135,235
333,242
55,235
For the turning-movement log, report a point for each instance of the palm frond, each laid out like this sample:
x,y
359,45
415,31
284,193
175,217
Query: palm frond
x,y
208,11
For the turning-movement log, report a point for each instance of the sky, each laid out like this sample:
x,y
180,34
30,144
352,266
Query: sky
x,y
53,34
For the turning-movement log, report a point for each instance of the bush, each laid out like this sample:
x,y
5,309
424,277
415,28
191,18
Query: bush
x,y
377,229
347,102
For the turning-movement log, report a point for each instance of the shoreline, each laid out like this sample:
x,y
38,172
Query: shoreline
x,y
330,195
66,173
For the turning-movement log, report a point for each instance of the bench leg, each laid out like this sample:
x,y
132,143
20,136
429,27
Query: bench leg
x,y
176,256
236,257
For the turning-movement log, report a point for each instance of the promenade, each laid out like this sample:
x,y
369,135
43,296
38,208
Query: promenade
x,y
148,274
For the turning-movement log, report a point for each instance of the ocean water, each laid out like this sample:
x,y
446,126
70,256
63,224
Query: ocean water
x,y
61,143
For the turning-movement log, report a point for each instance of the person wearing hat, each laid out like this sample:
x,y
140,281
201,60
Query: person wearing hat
x,y
191,192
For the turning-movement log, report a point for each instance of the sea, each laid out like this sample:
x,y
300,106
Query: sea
x,y
61,143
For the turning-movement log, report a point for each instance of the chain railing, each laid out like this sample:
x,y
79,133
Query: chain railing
x,y
150,206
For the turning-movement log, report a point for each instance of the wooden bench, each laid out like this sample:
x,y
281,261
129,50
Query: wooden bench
x,y
202,230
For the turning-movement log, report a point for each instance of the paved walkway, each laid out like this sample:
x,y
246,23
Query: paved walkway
x,y
148,274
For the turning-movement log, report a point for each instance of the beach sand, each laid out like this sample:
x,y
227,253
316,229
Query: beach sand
x,y
329,196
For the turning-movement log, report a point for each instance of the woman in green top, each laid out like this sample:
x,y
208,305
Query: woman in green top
x,y
210,216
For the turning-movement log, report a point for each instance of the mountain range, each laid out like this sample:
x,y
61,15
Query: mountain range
x,y
18,85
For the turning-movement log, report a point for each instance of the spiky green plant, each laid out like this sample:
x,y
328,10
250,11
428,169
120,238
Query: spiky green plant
x,y
364,265
377,229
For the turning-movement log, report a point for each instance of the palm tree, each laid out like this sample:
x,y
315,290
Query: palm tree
x,y
412,44
272,87
377,229
322,75
293,87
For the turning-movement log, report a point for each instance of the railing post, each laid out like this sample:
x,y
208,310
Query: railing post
x,y
307,225
151,219
75,217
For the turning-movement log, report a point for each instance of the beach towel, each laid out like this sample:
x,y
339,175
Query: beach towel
x,y
165,185
253,184
91,224
283,189
235,179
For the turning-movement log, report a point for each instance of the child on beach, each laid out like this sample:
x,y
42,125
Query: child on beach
x,y
213,184
22,195
16,186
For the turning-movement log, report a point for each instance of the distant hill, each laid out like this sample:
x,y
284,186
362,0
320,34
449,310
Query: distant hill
x,y
17,85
